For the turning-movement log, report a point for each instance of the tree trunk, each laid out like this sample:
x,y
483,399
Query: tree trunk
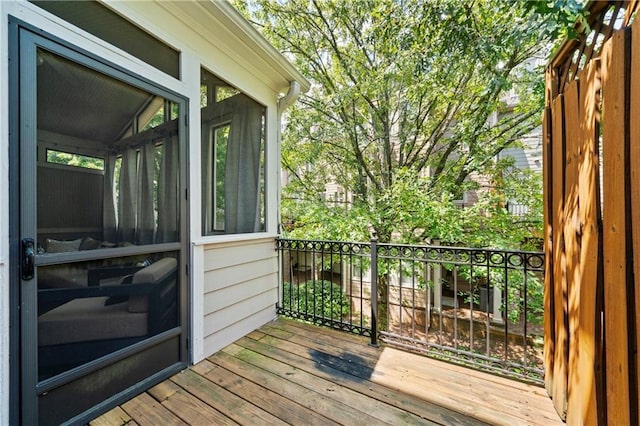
x,y
382,280
383,307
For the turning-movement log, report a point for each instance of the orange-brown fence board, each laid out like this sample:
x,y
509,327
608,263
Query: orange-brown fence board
x,y
631,8
549,327
634,156
560,358
576,52
615,229
572,235
582,409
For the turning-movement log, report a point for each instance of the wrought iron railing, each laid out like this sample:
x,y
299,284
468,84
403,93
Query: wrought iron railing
x,y
476,306
319,283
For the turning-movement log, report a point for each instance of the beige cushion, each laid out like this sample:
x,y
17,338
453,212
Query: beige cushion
x,y
82,320
151,274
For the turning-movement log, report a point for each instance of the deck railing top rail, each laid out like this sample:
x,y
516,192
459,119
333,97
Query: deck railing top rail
x,y
323,245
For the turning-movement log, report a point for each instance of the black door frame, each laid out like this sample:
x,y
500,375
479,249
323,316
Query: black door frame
x,y
23,380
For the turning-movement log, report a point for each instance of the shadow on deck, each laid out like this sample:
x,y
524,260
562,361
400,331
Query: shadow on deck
x,y
292,373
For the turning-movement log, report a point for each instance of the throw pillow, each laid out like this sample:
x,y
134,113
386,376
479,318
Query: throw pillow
x,y
58,246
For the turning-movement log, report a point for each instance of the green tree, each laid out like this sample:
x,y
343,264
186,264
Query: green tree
x,y
405,91
406,107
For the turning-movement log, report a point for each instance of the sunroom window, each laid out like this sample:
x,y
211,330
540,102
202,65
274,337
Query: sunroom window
x,y
75,160
110,173
233,157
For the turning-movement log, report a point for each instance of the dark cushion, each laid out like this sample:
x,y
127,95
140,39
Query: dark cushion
x,y
90,244
122,298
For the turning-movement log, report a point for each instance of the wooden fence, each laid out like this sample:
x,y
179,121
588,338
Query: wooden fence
x,y
592,221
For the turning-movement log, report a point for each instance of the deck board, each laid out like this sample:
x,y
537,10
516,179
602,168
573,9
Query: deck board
x,y
339,403
293,373
305,361
146,411
297,386
186,406
228,403
288,410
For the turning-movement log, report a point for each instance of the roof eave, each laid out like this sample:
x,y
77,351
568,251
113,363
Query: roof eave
x,y
257,41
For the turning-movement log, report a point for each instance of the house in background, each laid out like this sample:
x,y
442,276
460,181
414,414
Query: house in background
x,y
139,185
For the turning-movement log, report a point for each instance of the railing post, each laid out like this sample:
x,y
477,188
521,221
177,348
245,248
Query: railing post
x,y
285,271
374,290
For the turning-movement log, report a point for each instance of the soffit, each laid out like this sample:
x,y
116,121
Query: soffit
x,y
107,25
221,24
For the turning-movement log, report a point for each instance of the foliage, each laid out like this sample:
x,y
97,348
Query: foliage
x,y
533,294
488,223
77,160
407,109
565,14
418,218
320,298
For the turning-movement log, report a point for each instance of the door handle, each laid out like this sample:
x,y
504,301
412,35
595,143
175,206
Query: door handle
x,y
28,259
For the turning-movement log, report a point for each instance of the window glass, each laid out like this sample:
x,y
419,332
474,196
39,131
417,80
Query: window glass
x,y
223,93
124,194
233,159
220,140
152,115
89,309
76,160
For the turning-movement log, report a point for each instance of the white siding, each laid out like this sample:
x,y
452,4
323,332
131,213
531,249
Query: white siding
x,y
529,156
239,290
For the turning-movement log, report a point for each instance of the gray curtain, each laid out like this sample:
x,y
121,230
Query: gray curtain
x,y
148,207
109,218
128,199
243,164
207,178
146,220
243,167
168,203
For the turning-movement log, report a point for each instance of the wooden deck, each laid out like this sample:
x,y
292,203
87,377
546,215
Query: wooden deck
x,y
293,373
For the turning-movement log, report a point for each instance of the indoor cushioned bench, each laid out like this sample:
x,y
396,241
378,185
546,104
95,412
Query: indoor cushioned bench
x,y
99,318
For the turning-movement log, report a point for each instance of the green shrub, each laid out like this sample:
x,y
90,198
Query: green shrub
x,y
320,298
